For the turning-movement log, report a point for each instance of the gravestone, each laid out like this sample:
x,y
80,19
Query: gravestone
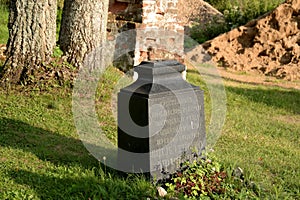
x,y
160,120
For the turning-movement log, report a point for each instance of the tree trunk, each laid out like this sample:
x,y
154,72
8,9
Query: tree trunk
x,y
83,28
32,37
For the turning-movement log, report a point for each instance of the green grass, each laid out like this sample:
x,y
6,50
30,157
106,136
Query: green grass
x,y
104,102
42,158
3,24
262,135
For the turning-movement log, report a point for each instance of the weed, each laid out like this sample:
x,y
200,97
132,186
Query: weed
x,y
207,178
57,52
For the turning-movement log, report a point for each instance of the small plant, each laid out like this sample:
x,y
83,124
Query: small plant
x,y
206,178
57,52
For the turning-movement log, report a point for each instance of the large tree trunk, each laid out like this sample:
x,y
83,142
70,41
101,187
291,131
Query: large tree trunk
x,y
32,37
83,28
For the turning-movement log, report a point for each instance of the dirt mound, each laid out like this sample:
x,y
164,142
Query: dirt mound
x,y
269,45
199,12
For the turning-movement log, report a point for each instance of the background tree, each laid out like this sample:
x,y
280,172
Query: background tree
x,y
83,28
32,37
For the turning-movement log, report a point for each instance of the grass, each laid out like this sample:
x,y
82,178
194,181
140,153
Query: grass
x,y
262,135
42,158
105,103
3,24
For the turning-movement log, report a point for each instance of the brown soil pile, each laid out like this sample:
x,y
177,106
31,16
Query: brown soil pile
x,y
269,45
199,12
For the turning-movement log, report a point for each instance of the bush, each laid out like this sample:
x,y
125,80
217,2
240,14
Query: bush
x,y
239,12
208,179
198,33
236,13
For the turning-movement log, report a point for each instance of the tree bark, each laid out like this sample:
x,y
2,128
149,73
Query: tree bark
x,y
83,28
32,37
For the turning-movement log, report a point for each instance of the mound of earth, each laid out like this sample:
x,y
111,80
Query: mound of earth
x,y
198,12
269,45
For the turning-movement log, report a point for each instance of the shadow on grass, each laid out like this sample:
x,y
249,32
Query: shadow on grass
x,y
288,100
47,146
88,180
53,187
82,187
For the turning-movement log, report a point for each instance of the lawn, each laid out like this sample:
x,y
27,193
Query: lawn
x,y
42,157
3,24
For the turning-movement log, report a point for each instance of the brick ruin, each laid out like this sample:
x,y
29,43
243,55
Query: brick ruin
x,y
158,32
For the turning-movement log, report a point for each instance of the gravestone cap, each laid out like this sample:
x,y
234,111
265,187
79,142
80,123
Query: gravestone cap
x,y
160,67
158,77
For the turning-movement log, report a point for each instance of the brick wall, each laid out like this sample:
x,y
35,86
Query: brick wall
x,y
159,35
164,40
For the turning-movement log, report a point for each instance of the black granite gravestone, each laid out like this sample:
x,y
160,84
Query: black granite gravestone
x,y
160,120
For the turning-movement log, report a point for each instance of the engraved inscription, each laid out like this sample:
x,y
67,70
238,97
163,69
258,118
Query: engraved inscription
x,y
182,126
